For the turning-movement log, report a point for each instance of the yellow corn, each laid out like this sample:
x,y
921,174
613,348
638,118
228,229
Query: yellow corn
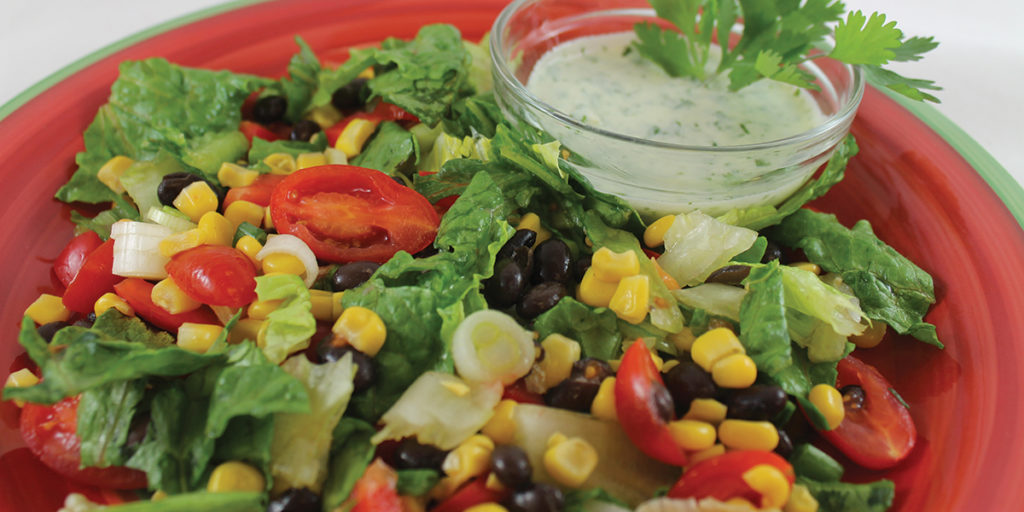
x,y
502,425
456,387
692,434
158,495
361,328
604,401
179,242
801,500
706,409
654,235
714,345
250,247
195,200
111,172
748,435
594,292
469,459
829,402
198,337
770,482
735,372
532,222
280,163
22,378
234,175
808,266
246,329
560,353
612,266
323,305
668,365
871,336
556,438
630,300
282,263
682,340
739,501
571,461
335,156
47,308
487,507
214,229
366,73
354,136
170,297
336,307
659,363
494,483
706,454
326,116
310,160
261,309
268,221
112,300
244,211
236,476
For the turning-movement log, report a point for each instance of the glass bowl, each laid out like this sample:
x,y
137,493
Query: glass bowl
x,y
660,178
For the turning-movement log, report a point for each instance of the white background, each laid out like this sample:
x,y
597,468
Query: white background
x,y
980,61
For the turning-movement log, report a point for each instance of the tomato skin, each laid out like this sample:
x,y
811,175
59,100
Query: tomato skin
x,y
634,404
375,491
879,434
253,129
93,279
259,192
136,292
473,493
721,477
215,275
49,432
382,111
346,213
71,258
517,391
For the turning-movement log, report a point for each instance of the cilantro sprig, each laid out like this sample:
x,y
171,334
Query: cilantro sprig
x,y
777,37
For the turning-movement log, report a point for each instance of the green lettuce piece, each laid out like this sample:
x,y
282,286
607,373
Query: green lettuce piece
x,y
416,482
142,178
209,151
200,501
596,329
391,147
847,497
102,221
104,419
696,245
820,316
290,326
479,75
302,81
716,299
446,148
576,499
351,453
474,115
131,328
890,287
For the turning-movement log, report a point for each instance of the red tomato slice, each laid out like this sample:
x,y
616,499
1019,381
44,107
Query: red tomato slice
x,y
879,433
137,293
93,279
382,111
721,477
215,275
635,387
70,260
346,213
49,431
517,391
253,129
375,491
259,192
473,493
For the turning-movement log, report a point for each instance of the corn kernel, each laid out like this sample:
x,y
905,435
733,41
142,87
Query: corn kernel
x,y
367,73
570,462
214,229
310,160
282,263
261,309
111,172
739,501
604,401
323,306
748,435
469,459
326,116
654,235
362,328
692,434
502,425
236,476
714,345
808,266
179,242
280,163
668,365
770,482
737,371
112,300
682,340
666,278
22,378
487,507
560,353
532,222
47,308
630,300
494,483
335,156
234,175
268,220
250,247
829,402
246,329
594,292
556,438
195,200
871,336
659,363
336,307
801,500
706,409
456,387
198,337
171,298
244,211
354,136
158,495
612,266
714,451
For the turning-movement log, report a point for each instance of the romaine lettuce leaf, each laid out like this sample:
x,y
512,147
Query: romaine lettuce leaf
x,y
351,453
848,497
596,329
104,419
200,501
391,147
290,326
696,245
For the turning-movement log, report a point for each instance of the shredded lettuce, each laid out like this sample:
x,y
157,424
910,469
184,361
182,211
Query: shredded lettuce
x,y
291,325
696,245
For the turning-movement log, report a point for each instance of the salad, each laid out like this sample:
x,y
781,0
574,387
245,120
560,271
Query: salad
x,y
359,287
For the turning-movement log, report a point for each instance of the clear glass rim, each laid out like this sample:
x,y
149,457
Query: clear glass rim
x,y
834,122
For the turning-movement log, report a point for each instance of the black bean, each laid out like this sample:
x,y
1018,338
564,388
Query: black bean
x,y
729,274
137,430
552,261
541,298
662,401
410,454
785,446
304,130
171,184
853,396
539,498
582,265
578,391
686,381
349,96
506,286
512,467
269,109
366,371
48,330
351,275
771,252
296,500
757,403
521,238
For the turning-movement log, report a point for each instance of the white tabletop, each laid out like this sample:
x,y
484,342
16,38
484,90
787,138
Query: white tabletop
x,y
980,62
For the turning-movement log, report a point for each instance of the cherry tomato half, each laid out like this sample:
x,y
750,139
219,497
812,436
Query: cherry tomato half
x,y
382,111
346,213
70,260
375,491
473,493
879,432
93,279
215,275
259,192
721,477
137,293
636,403
253,129
49,431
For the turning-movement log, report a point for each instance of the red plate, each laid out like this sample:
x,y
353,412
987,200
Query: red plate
x,y
920,195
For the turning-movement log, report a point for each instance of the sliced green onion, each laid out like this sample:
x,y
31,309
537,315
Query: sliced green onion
x,y
490,346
